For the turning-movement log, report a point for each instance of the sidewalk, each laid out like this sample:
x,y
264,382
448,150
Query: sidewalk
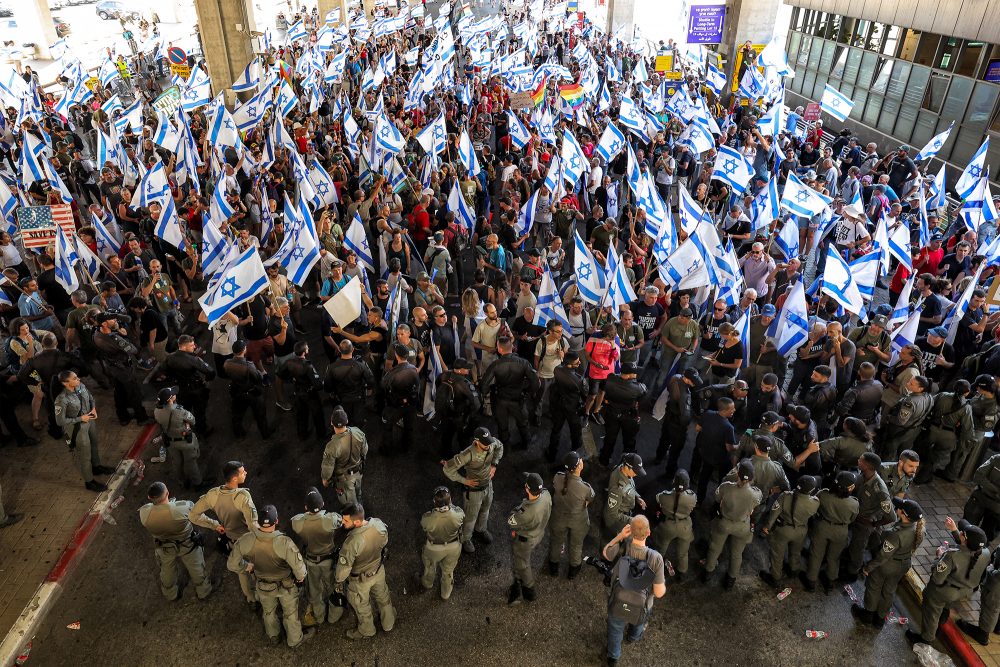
x,y
43,484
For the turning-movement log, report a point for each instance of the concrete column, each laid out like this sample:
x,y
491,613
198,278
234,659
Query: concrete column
x,y
225,36
621,12
752,20
34,26
328,5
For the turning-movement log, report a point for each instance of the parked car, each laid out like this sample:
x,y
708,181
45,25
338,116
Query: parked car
x,y
62,28
113,9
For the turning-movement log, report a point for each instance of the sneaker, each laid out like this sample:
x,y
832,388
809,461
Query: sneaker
x,y
598,418
283,406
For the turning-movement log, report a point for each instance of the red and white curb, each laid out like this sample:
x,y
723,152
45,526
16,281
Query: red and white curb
x,y
952,636
130,469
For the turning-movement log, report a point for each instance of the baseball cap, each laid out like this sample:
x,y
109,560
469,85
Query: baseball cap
x,y
423,275
986,382
439,236
571,460
164,394
824,370
909,507
268,516
880,321
534,482
801,413
629,368
460,363
940,332
762,443
314,499
770,418
339,418
101,318
482,434
769,310
693,375
745,470
335,263
936,236
634,461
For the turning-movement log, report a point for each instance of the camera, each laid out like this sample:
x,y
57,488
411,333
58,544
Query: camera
x,y
601,566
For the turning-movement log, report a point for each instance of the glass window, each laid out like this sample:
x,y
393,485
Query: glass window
x,y
808,81
867,70
794,20
833,25
876,36
853,63
794,39
915,89
966,143
815,53
839,62
992,56
925,128
936,91
804,50
819,23
908,47
846,30
958,97
969,59
995,125
891,41
882,71
887,119
826,59
872,110
981,105
948,53
927,48
860,34
897,80
860,97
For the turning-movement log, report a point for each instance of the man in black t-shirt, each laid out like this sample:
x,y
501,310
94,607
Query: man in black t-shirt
x,y
649,315
958,262
937,354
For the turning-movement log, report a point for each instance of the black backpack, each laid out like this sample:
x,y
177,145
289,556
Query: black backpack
x,y
631,590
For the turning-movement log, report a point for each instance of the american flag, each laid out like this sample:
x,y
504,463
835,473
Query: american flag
x,y
38,224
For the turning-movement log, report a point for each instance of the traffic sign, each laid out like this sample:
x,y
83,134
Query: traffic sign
x,y
176,55
183,71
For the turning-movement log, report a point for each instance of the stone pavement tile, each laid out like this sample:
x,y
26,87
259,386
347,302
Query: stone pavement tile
x,y
43,484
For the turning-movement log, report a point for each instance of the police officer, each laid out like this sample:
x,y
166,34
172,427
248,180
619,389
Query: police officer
x,y
236,515
843,450
786,527
43,369
277,564
821,399
192,375
479,461
622,494
175,538
891,562
864,399
119,357
182,443
443,528
361,569
76,413
736,501
567,393
828,536
901,426
984,420
679,411
512,380
768,396
989,604
306,386
676,505
899,474
527,525
955,575
246,391
622,394
950,420
455,402
983,506
317,528
771,426
570,522
874,511
768,475
344,459
401,385
348,379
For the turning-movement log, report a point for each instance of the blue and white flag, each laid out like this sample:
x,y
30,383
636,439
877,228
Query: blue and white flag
x,y
839,283
335,70
249,79
304,252
905,335
753,85
937,195
573,160
611,143
901,311
684,268
326,191
613,74
553,181
219,206
546,130
961,307
8,205
467,153
65,258
222,129
732,168
213,248
168,227
287,100
865,270
387,136
550,306
519,134
766,206
107,243
526,216
242,281
743,326
791,328
836,104
465,215
899,247
934,145
32,160
604,100
787,239
90,262
591,280
107,150
969,179
715,79
295,32
357,242
197,92
698,138
152,187
639,74
772,123
620,291
631,117
801,199
773,55
691,214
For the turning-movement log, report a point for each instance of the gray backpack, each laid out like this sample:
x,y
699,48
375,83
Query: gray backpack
x,y
631,589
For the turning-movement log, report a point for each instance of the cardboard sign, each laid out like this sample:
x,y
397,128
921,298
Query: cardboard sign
x,y
673,76
521,100
92,83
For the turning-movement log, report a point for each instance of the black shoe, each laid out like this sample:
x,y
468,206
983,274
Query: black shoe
x,y
514,592
573,571
553,569
766,577
807,584
729,582
104,470
824,581
973,631
878,622
94,485
484,536
914,637
848,578
11,520
612,662
529,593
861,613
680,578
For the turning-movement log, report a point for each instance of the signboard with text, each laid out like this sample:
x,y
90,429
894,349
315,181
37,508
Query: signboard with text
x,y
705,24
992,71
812,112
663,63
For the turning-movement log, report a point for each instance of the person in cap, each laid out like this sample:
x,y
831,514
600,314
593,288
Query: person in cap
x,y
983,506
622,392
678,405
679,337
344,459
891,561
76,414
192,375
676,506
901,170
801,430
771,428
937,354
174,539
278,568
177,424
989,604
838,509
457,400
768,474
568,392
636,579
736,501
842,451
306,386
903,421
955,575
874,511
362,563
984,421
570,521
765,395
316,527
622,494
527,524
872,342
236,514
807,357
759,324
821,399
949,421
119,357
786,526
426,294
443,527
474,468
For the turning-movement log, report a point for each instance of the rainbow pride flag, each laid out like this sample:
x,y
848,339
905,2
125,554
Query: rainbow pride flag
x,y
573,93
285,70
538,94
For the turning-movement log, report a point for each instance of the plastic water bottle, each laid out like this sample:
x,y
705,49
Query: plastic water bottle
x,y
670,568
943,549
162,456
784,594
816,634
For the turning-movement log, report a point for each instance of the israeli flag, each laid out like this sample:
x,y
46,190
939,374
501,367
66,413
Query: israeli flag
x,y
787,239
249,114
213,248
613,74
357,242
938,195
242,281
743,326
295,32
604,101
107,243
732,168
591,280
698,138
901,311
620,290
434,137
152,187
287,100
550,306
934,145
865,270
112,105
526,216
546,130
715,80
834,103
899,247
197,92
630,116
168,227
107,151
8,204
772,123
573,159
223,131
766,206
91,262
552,179
969,179
685,268
65,257
464,214
31,160
519,134
335,70
925,225
801,199
978,207
639,73
961,307
219,207
839,284
249,79
611,143
774,56
753,85
303,252
906,335
691,213
467,153
791,327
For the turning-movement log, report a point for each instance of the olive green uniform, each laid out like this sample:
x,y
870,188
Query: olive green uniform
x,y
317,532
361,566
676,509
888,566
896,482
875,507
953,579
622,498
443,526
970,451
236,513
478,499
570,522
778,452
344,464
182,443
175,539
736,504
950,420
527,525
843,450
788,524
81,436
277,566
828,535
989,600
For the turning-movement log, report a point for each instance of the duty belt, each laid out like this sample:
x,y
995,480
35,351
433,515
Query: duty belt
x,y
952,429
367,575
316,559
790,524
436,543
174,543
835,523
478,489
677,518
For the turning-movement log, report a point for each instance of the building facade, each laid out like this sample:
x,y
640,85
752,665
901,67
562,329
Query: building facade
x,y
911,67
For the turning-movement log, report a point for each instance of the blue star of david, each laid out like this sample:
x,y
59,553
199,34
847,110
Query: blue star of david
x,y
251,110
975,170
228,124
802,196
437,132
191,94
835,102
574,162
613,148
729,167
323,188
695,265
297,252
205,248
386,132
229,287
364,243
937,143
584,272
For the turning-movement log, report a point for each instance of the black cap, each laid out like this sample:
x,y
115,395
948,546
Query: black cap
x,y
314,499
164,394
806,484
908,507
801,413
745,470
534,482
975,537
101,318
482,434
987,382
693,375
460,363
268,516
571,460
762,443
535,252
633,461
629,368
339,417
770,418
